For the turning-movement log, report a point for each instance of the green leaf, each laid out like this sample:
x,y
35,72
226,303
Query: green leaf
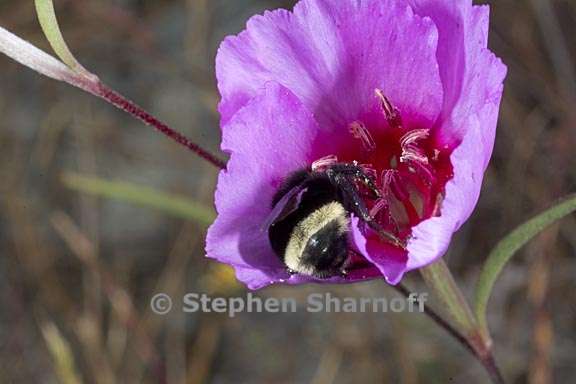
x,y
118,190
49,24
507,247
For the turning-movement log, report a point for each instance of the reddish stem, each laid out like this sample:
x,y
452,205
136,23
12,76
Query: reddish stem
x,y
473,345
116,99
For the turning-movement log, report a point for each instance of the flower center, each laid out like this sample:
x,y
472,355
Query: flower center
x,y
409,167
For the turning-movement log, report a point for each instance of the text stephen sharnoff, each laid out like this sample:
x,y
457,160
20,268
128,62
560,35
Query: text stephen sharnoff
x,y
314,303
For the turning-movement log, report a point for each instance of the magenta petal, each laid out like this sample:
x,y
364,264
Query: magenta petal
x,y
471,74
430,239
256,278
390,260
332,54
256,167
272,136
260,159
473,79
293,82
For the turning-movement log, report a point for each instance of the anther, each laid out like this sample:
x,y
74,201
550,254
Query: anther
x,y
390,112
359,131
324,163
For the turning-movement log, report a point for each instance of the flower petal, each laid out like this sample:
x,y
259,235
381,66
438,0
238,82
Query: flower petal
x,y
332,54
430,239
271,137
390,260
472,78
471,74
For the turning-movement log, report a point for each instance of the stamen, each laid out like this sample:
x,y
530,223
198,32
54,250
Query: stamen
x,y
324,162
380,205
402,176
390,112
387,178
359,131
410,149
390,178
413,153
384,203
414,136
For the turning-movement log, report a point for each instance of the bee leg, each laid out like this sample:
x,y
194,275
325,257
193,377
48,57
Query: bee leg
x,y
350,196
386,235
357,173
353,203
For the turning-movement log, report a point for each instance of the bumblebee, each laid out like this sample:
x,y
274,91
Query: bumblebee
x,y
311,218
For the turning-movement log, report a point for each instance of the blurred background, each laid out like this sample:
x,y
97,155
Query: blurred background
x,y
78,269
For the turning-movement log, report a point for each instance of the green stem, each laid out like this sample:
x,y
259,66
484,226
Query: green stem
x,y
439,279
89,82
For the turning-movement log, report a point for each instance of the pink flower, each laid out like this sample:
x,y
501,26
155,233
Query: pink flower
x,y
406,88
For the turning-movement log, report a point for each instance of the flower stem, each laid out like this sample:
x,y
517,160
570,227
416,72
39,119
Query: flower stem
x,y
439,279
439,320
101,90
486,360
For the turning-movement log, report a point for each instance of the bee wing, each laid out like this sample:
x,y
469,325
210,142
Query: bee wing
x,y
285,206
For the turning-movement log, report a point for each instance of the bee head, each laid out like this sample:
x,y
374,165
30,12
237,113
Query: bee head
x,y
326,251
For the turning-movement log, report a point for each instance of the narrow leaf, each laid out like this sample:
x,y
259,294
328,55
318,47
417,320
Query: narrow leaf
x,y
507,247
118,190
72,72
32,57
59,348
36,59
49,24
